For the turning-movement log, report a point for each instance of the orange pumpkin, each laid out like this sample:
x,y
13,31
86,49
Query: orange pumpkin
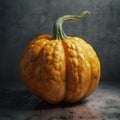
x,y
59,67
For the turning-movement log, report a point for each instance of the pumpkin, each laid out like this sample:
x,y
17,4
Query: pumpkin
x,y
59,67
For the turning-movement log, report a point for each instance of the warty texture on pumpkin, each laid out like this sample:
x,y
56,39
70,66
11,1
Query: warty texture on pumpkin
x,y
60,67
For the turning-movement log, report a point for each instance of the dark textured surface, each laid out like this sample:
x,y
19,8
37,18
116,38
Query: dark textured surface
x,y
23,20
19,104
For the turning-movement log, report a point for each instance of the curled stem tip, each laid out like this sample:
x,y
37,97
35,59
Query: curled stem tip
x,y
58,32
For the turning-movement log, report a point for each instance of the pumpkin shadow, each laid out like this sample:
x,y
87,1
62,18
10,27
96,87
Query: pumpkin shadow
x,y
23,100
64,111
45,105
30,107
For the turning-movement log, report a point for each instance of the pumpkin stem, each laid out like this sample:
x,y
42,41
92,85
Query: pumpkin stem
x,y
58,32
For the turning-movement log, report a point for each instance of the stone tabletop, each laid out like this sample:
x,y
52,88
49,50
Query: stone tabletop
x,y
20,104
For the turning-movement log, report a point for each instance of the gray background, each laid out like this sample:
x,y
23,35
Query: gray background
x,y
23,20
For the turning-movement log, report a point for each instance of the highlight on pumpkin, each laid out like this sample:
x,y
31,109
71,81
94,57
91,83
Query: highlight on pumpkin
x,y
60,68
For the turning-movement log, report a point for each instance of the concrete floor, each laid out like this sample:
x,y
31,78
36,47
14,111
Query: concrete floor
x,y
20,104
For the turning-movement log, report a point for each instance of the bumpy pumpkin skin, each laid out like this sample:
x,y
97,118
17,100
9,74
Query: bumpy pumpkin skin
x,y
60,70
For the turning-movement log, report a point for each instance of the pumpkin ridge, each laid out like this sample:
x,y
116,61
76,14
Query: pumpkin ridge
x,y
52,73
87,81
77,68
26,76
90,65
91,88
